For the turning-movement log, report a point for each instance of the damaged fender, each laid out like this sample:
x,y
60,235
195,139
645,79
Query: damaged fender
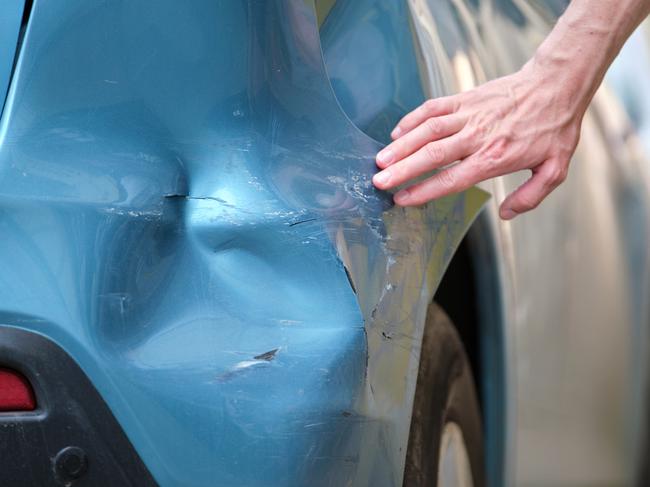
x,y
187,212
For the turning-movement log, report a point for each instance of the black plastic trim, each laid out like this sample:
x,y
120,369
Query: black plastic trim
x,y
72,438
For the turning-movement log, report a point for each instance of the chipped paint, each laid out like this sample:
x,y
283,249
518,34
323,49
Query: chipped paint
x,y
214,255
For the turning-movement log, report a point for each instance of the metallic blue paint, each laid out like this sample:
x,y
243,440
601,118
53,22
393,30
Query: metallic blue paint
x,y
371,61
179,193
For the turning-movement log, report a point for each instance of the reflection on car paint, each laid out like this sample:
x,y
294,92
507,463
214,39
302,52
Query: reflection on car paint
x,y
188,212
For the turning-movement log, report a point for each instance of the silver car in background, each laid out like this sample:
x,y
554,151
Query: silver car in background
x,y
573,273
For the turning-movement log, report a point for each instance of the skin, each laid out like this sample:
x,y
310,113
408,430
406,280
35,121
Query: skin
x,y
529,120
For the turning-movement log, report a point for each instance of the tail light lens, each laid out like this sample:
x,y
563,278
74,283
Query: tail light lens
x,y
16,393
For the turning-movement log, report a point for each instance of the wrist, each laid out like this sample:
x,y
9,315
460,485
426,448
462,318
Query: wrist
x,y
575,56
570,73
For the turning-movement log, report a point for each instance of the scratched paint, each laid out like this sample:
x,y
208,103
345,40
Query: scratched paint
x,y
187,211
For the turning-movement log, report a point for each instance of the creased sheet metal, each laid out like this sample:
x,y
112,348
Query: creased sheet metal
x,y
188,212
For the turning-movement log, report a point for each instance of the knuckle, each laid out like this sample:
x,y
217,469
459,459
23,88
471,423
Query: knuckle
x,y
434,153
527,203
496,149
557,174
429,105
447,180
398,148
402,172
479,170
473,131
405,121
479,129
434,127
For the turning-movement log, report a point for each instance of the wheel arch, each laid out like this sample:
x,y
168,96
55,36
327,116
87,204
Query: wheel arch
x,y
471,293
371,36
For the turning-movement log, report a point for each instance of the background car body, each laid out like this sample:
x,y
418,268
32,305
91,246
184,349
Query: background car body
x,y
187,211
573,274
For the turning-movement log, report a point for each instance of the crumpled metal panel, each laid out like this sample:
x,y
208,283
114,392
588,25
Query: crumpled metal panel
x,y
186,210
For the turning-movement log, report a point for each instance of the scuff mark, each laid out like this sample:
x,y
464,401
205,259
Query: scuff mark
x,y
289,322
225,245
365,336
300,222
387,336
268,356
154,213
260,360
388,288
209,198
188,197
349,276
245,364
346,414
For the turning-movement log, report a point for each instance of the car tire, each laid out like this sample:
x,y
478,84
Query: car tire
x,y
445,410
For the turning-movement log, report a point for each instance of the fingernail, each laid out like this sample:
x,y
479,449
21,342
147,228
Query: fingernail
x,y
385,157
381,178
508,214
396,132
402,197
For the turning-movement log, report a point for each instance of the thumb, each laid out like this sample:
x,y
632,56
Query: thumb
x,y
546,177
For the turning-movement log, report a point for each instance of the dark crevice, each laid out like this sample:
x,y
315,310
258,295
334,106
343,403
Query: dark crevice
x,y
349,276
302,221
27,12
457,295
268,356
188,197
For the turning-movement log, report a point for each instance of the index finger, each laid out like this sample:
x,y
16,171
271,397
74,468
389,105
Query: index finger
x,y
434,107
450,180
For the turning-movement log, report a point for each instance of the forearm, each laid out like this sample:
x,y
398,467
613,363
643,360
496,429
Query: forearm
x,y
584,42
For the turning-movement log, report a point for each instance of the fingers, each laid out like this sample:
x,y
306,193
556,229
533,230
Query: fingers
x,y
430,108
430,129
432,156
451,180
546,177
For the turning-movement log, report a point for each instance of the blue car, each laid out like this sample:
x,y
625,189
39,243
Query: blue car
x,y
200,286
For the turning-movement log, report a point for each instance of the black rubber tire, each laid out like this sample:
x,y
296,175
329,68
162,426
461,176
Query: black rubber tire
x,y
445,393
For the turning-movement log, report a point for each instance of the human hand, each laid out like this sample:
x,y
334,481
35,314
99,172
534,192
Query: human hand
x,y
528,120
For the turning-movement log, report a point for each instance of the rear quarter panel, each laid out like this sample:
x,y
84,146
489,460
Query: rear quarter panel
x,y
186,210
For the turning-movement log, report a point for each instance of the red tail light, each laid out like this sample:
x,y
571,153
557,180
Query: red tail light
x,y
16,393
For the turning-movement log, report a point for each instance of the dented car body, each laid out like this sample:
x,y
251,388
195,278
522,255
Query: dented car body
x,y
188,217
